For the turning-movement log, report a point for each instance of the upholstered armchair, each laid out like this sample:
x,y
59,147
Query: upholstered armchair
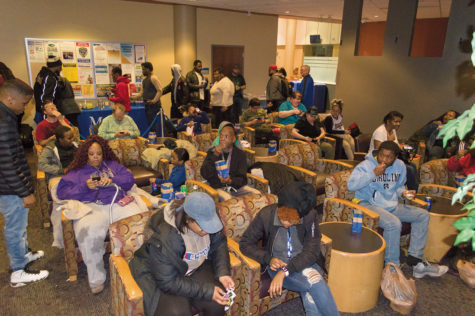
x,y
202,142
436,172
303,158
362,143
236,215
129,152
442,190
72,255
126,236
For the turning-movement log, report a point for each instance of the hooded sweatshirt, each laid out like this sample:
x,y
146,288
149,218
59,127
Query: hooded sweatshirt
x,y
121,92
384,190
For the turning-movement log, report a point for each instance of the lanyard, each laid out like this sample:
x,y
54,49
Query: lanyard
x,y
289,243
228,161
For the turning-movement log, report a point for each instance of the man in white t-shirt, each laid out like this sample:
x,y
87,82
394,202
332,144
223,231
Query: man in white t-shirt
x,y
221,95
387,130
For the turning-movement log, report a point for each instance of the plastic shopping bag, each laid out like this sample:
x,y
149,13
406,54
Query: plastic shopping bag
x,y
467,272
400,291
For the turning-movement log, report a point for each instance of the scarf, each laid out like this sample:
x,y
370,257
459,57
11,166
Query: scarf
x,y
176,70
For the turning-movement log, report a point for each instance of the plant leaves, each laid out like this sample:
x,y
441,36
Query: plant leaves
x,y
469,206
471,214
464,235
473,244
464,127
465,223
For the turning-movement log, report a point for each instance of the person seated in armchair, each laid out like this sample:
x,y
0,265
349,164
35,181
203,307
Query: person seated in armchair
x,y
257,118
178,175
290,111
334,125
309,129
378,183
96,177
118,125
45,129
290,249
193,119
235,159
464,161
58,153
185,259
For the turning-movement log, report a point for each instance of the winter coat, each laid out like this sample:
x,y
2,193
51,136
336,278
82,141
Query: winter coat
x,y
158,264
47,88
121,92
237,172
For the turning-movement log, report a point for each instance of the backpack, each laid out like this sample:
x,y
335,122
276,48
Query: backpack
x,y
26,136
284,88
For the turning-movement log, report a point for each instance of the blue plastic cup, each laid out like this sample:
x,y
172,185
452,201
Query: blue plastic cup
x,y
222,168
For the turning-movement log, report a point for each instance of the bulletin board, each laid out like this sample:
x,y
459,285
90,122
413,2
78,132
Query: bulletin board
x,y
88,64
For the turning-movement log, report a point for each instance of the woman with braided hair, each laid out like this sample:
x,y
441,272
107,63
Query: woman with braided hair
x,y
97,179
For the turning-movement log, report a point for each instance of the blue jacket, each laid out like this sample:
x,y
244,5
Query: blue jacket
x,y
308,97
177,178
383,190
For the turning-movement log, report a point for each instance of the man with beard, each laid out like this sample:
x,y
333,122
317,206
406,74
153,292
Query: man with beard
x,y
197,84
48,85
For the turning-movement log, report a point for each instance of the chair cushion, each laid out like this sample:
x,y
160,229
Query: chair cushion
x,y
321,181
128,151
143,174
300,155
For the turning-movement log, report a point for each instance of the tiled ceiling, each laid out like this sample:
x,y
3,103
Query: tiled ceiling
x,y
373,10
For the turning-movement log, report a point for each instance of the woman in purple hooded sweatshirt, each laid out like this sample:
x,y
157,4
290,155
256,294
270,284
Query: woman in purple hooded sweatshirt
x,y
96,178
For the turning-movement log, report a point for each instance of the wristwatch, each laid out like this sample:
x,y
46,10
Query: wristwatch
x,y
286,272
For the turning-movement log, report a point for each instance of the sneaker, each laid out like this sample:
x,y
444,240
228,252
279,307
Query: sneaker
x,y
34,255
97,289
23,277
425,268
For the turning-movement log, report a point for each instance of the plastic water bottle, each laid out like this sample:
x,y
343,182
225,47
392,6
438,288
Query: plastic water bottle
x,y
357,225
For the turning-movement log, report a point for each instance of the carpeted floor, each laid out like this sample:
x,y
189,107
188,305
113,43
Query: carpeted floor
x,y
55,296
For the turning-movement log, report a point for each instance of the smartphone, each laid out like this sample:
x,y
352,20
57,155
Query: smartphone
x,y
408,147
96,178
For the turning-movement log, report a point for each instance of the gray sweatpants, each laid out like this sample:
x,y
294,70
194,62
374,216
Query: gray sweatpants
x,y
91,230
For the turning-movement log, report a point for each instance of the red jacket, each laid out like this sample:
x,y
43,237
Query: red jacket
x,y
465,165
121,92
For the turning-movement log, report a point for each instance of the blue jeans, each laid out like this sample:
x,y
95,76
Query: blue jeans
x,y
391,223
16,219
316,296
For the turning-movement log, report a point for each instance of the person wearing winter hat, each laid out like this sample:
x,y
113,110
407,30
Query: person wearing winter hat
x,y
290,249
48,87
185,261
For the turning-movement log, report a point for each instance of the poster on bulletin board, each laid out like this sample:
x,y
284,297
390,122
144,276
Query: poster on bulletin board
x,y
87,64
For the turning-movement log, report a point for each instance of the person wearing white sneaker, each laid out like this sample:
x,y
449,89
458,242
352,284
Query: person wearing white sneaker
x,y
16,185
379,183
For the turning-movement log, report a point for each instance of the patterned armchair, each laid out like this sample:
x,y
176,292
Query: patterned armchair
x,y
72,255
127,235
436,172
303,158
441,190
129,152
236,215
202,142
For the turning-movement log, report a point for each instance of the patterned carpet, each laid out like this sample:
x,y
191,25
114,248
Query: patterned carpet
x,y
55,296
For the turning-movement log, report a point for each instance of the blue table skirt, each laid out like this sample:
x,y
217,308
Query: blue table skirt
x,y
319,95
90,117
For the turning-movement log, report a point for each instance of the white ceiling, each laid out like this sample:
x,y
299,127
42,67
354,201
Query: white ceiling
x,y
373,10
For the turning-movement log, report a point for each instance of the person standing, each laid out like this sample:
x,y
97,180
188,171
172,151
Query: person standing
x,y
121,90
16,185
69,108
47,84
274,93
221,94
306,86
178,89
197,84
238,98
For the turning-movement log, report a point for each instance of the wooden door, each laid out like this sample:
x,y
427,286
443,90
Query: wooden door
x,y
226,56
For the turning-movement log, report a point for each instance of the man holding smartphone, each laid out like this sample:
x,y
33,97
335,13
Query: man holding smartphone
x,y
257,118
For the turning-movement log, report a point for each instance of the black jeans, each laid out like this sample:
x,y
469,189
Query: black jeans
x,y
220,116
169,305
150,111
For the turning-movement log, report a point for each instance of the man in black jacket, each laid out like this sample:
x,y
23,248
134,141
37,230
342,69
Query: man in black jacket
x,y
235,159
291,247
48,86
16,185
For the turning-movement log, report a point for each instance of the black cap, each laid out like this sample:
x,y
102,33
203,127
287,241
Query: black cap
x,y
313,110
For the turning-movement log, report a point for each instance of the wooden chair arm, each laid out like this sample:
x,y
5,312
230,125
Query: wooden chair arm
x,y
131,288
370,218
446,191
40,175
147,202
202,187
343,165
304,171
250,129
359,156
234,248
258,183
201,153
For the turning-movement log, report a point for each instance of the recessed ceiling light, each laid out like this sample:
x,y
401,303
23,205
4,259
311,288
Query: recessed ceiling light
x,y
287,12
376,16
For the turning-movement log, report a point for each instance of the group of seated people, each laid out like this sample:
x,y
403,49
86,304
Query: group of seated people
x,y
185,260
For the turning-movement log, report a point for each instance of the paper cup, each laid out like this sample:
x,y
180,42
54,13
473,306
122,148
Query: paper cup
x,y
222,168
167,191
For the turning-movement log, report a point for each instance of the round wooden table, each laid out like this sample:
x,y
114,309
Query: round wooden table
x,y
356,265
441,233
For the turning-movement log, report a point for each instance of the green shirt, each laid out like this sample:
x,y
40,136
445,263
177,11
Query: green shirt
x,y
110,126
249,115
238,81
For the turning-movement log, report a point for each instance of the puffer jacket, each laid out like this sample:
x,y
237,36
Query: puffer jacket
x,y
158,265
15,176
47,88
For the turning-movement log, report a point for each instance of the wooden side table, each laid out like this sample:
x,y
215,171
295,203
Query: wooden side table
x,y
441,233
356,266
